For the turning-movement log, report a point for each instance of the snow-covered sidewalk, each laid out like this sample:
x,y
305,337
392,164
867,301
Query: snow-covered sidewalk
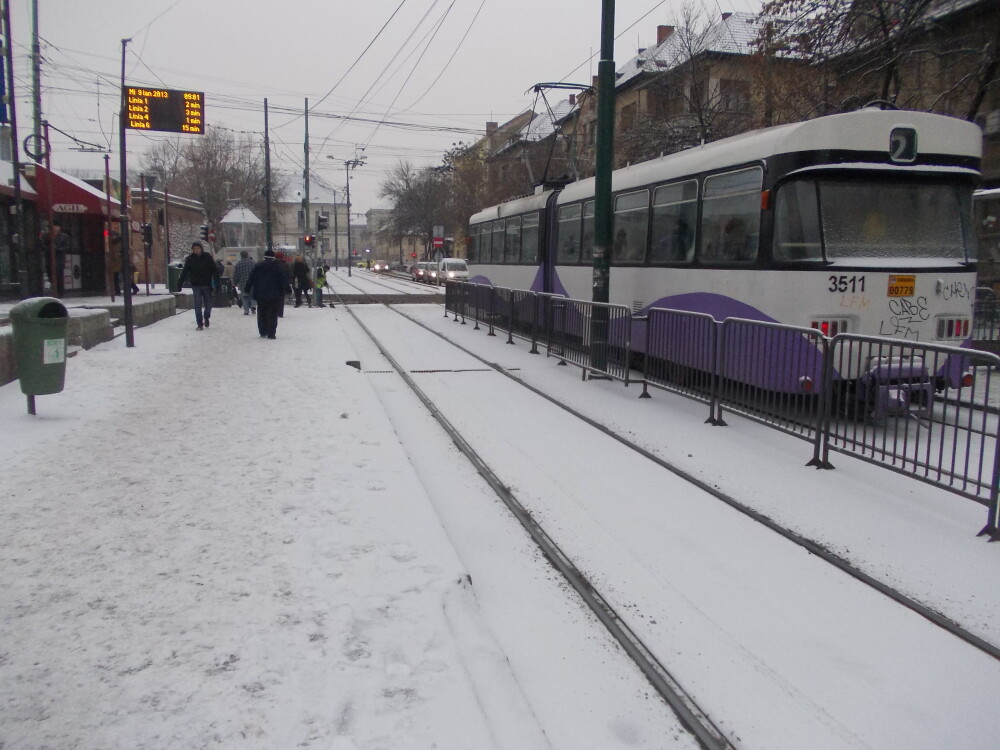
x,y
217,539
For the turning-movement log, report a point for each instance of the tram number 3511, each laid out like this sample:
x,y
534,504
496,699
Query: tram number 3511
x,y
844,284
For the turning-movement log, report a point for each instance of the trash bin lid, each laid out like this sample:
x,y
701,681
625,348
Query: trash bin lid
x,y
38,307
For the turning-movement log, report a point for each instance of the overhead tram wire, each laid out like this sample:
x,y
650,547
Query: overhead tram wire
x,y
383,72
413,70
461,41
347,72
617,37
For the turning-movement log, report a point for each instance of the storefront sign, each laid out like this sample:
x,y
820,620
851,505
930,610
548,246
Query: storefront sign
x,y
68,208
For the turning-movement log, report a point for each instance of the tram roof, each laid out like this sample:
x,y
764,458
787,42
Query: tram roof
x,y
861,131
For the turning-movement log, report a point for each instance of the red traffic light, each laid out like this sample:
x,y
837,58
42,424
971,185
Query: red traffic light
x,y
309,240
413,255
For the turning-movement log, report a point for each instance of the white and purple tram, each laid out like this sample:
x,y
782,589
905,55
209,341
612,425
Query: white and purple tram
x,y
852,223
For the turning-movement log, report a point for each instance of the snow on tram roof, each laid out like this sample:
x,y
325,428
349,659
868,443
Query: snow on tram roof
x,y
859,131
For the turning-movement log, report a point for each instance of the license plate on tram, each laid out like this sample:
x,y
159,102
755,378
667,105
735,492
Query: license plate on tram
x,y
902,286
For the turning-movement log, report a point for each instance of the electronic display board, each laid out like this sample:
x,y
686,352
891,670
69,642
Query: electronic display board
x,y
164,109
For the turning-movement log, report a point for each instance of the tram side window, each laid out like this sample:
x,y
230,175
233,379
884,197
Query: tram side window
x,y
629,232
587,240
529,239
512,247
569,234
496,245
675,212
796,222
474,237
730,217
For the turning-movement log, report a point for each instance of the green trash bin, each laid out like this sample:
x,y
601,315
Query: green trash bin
x,y
174,275
40,328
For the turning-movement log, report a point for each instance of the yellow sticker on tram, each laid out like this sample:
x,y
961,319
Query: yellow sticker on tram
x,y
902,286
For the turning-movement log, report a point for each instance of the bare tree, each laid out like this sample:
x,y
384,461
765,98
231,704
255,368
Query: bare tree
x,y
915,54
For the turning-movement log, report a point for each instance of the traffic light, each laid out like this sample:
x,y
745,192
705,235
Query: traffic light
x,y
309,240
413,255
147,234
322,222
204,232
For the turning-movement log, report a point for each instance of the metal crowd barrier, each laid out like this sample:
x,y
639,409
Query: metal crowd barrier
x,y
597,337
924,410
681,355
986,315
774,374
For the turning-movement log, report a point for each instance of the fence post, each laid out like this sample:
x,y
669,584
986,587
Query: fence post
x,y
492,310
510,317
534,321
992,527
646,358
821,446
718,362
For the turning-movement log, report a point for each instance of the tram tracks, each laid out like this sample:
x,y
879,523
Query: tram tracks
x,y
691,715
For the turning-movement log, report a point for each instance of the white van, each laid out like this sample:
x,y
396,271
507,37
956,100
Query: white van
x,y
452,268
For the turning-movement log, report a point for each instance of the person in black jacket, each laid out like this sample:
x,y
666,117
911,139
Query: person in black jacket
x,y
303,284
200,269
268,284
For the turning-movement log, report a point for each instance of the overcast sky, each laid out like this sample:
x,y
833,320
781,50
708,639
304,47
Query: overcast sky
x,y
432,71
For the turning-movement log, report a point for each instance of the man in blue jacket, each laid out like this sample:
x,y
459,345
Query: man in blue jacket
x,y
268,284
200,269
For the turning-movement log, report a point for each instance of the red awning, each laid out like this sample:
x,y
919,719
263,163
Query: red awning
x,y
63,194
7,183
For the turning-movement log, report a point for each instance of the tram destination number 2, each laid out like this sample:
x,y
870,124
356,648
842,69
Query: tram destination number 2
x,y
844,284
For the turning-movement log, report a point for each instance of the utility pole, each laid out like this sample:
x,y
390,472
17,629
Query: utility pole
x,y
336,249
36,74
305,179
124,225
267,184
348,166
603,163
22,241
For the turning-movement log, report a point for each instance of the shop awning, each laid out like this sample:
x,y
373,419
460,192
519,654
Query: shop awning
x,y
63,194
7,183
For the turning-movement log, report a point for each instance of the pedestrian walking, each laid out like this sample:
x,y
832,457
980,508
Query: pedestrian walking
x,y
241,272
268,284
61,245
279,258
300,272
321,283
203,273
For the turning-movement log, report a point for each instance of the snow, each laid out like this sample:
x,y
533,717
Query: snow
x,y
214,539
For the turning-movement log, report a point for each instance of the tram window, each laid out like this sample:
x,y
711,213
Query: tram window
x,y
629,231
796,223
883,219
474,237
587,240
569,234
675,212
512,247
529,239
730,217
496,245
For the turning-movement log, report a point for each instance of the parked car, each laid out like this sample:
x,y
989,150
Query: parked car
x,y
430,273
452,268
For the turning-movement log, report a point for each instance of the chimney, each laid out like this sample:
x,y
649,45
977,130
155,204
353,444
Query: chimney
x,y
663,33
726,15
491,129
572,100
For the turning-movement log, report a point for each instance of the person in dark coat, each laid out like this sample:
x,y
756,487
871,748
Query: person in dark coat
x,y
200,269
268,284
300,272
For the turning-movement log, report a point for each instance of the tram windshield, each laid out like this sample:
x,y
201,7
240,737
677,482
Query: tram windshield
x,y
872,219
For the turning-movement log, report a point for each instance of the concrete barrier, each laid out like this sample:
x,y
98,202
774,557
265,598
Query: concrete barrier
x,y
90,325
